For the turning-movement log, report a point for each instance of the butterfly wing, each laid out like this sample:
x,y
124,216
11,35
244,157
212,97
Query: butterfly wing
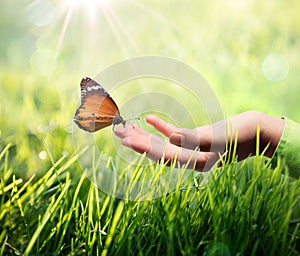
x,y
97,109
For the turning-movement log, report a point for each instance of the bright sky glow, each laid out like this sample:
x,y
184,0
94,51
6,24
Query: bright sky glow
x,y
63,15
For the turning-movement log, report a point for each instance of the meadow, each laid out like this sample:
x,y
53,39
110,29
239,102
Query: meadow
x,y
248,51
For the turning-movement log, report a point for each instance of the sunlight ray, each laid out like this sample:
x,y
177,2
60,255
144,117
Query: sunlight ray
x,y
121,27
64,28
116,33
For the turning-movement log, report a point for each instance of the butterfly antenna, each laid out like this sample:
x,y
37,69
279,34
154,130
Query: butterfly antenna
x,y
135,118
132,114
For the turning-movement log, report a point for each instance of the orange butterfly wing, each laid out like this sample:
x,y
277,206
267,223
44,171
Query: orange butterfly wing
x,y
97,109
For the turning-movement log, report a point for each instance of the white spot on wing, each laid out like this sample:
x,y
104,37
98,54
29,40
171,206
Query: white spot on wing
x,y
83,92
96,87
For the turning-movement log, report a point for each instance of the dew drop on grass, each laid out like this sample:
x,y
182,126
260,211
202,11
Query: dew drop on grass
x,y
65,153
103,232
43,155
254,226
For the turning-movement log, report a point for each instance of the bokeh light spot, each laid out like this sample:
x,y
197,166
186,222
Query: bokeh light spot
x,y
275,67
41,12
216,248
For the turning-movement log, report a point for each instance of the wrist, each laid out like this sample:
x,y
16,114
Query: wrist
x,y
270,134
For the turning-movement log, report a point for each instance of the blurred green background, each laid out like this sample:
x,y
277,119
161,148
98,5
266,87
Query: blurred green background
x,y
248,51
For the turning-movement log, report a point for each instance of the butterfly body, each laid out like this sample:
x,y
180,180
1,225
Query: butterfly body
x,y
97,110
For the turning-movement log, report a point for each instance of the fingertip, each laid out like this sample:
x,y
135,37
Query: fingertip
x,y
150,118
155,121
121,131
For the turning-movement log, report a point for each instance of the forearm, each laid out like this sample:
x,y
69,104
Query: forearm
x,y
270,134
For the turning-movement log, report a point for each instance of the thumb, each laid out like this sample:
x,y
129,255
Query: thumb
x,y
186,138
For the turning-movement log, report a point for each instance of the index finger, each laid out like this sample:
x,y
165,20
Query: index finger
x,y
165,128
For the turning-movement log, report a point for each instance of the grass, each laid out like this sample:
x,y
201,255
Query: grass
x,y
49,206
229,213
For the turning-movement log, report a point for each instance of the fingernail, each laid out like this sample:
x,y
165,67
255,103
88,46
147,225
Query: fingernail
x,y
176,139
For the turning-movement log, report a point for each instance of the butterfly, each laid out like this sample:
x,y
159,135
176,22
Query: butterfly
x,y
97,110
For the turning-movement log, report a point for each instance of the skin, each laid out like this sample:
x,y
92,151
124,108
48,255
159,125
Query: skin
x,y
179,144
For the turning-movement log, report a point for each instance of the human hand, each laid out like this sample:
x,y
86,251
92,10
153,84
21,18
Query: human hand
x,y
210,139
157,148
